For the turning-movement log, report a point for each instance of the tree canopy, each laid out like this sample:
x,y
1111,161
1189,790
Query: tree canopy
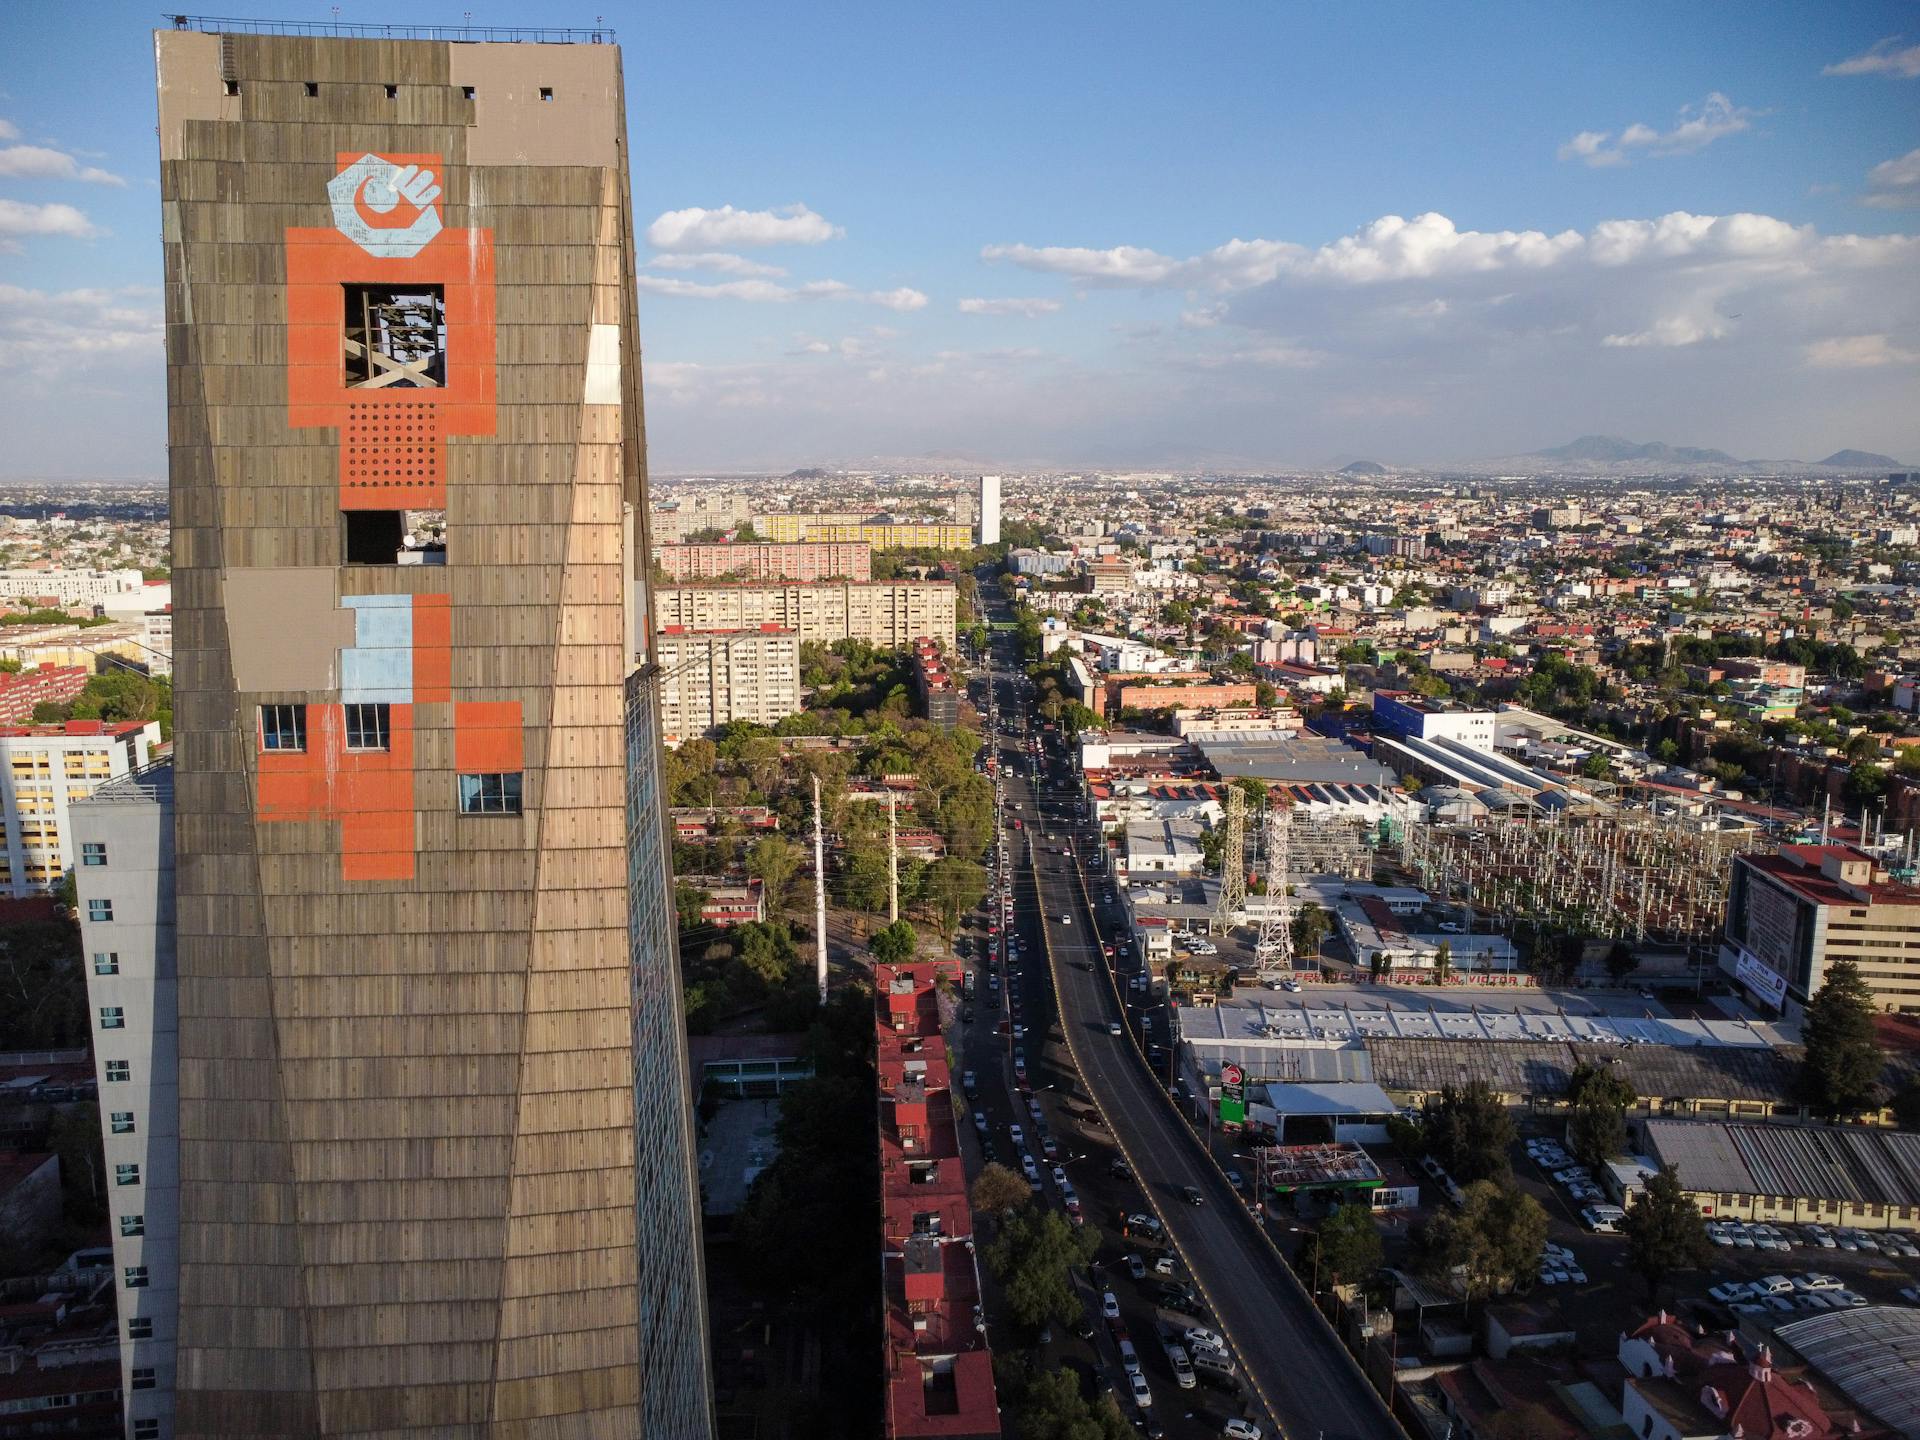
x,y
1840,1073
1664,1231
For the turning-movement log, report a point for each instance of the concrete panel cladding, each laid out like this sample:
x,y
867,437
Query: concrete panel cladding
x,y
421,1106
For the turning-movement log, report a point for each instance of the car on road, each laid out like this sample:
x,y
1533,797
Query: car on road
x,y
1773,1285
1119,1169
967,1082
1066,919
1049,1147
1603,1219
1137,1383
1292,987
980,1121
1109,1305
1192,1195
1198,1337
1238,1429
1113,1027
1136,1267
1731,1292
1814,1280
1165,1265
1145,1225
1016,1134
1060,1177
1177,1300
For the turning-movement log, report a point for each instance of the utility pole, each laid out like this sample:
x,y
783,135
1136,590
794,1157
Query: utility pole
x,y
893,860
819,894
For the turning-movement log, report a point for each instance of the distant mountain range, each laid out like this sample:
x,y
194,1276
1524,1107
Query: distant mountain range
x,y
1609,454
1364,467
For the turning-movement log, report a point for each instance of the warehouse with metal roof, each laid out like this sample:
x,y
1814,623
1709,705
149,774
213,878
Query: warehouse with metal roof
x,y
1854,1175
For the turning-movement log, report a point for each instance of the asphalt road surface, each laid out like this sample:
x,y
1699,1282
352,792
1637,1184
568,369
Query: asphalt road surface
x,y
1306,1380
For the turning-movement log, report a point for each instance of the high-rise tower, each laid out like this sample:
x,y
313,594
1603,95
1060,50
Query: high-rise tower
x,y
435,1171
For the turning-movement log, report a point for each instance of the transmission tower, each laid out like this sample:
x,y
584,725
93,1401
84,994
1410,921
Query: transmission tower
x,y
1274,951
1233,864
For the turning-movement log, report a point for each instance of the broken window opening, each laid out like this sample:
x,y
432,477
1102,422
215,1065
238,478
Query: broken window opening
x,y
394,537
396,338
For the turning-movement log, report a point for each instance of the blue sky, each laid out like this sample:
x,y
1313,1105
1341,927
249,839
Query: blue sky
x,y
1006,233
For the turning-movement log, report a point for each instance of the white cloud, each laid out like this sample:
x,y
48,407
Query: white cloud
x,y
1024,307
1715,118
1859,352
41,329
8,130
718,263
1122,265
766,292
1894,184
1669,332
17,218
37,162
697,229
1888,57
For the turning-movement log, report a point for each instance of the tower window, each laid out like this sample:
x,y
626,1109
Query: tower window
x,y
132,1226
93,852
232,87
112,1017
466,92
490,794
313,89
126,1174
139,1327
283,727
119,1070
396,337
546,92
369,727
393,92
123,1122
99,909
106,962
144,1376
149,1427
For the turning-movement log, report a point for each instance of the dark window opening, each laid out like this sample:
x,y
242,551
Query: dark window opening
x,y
140,1327
144,1376
490,794
119,1070
283,727
233,87
396,337
394,537
133,1226
546,92
369,727
313,89
149,1428
466,92
393,92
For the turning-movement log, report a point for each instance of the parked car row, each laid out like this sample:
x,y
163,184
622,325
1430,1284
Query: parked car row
x,y
1757,1235
1573,1177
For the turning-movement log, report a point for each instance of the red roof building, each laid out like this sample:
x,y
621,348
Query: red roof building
x,y
44,685
939,1378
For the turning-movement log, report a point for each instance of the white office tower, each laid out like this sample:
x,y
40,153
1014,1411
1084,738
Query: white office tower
x,y
989,509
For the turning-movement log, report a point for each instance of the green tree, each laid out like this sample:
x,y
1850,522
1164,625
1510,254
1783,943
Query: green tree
x,y
953,887
688,901
1491,1243
1347,1245
1047,1403
894,944
774,860
1590,1083
1311,925
1621,961
1472,1133
766,951
1840,1072
997,1189
1596,767
1380,966
1596,1132
1033,1256
1442,962
1664,1231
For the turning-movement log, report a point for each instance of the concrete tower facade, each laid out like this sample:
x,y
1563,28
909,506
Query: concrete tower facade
x,y
989,509
434,1122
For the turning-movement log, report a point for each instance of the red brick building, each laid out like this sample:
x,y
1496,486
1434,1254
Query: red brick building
x,y
47,685
939,1372
760,560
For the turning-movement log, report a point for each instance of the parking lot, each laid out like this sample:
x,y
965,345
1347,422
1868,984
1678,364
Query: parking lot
x,y
1587,1273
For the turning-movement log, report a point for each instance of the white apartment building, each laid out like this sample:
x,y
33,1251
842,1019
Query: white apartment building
x,y
124,832
890,614
67,588
709,678
44,770
989,510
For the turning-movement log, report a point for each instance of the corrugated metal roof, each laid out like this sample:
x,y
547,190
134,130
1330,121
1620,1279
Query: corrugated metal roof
x,y
1871,1355
1857,1164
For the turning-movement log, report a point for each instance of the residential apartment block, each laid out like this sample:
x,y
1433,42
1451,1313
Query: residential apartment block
x,y
939,1372
935,696
881,534
78,589
800,560
1790,915
436,1172
21,693
890,614
44,771
709,678
125,886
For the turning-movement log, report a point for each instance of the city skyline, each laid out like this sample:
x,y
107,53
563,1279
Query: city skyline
x,y
1267,240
